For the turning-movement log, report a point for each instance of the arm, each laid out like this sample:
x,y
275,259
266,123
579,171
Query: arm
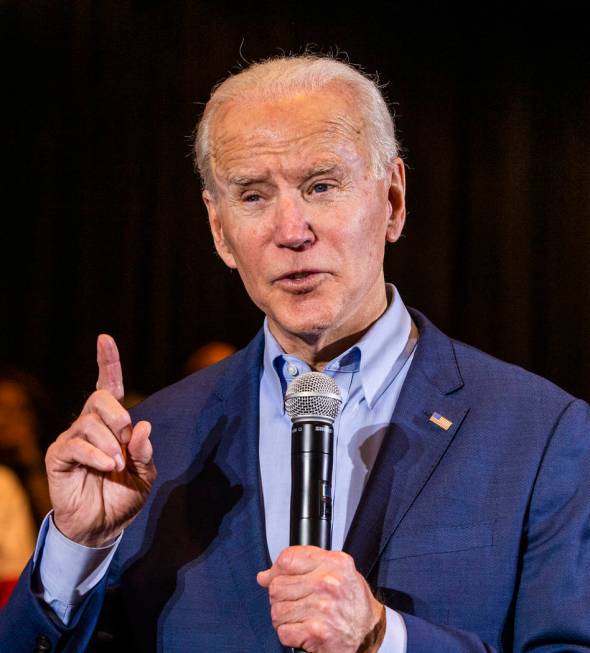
x,y
100,472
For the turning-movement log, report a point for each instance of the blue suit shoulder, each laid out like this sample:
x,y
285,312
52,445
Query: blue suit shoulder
x,y
483,372
461,368
189,395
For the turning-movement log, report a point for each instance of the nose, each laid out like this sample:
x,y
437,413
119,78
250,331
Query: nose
x,y
292,228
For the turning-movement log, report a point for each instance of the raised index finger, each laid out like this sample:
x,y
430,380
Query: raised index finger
x,y
110,374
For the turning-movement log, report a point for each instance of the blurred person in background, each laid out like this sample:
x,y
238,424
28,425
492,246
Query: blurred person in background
x,y
208,354
17,531
26,420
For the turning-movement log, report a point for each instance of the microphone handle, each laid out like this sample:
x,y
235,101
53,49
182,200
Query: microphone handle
x,y
312,444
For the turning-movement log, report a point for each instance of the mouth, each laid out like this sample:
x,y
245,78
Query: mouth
x,y
303,280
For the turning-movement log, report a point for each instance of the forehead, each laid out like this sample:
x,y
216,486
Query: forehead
x,y
318,127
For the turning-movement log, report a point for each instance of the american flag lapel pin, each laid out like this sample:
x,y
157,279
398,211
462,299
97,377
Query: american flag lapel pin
x,y
440,421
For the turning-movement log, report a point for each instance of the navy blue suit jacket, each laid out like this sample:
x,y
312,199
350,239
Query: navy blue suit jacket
x,y
479,534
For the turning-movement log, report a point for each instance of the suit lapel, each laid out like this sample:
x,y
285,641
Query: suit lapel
x,y
245,539
412,447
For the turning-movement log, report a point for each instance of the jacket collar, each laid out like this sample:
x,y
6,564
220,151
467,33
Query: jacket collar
x,y
411,450
413,445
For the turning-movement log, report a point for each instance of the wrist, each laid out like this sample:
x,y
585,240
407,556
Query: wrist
x,y
89,540
374,638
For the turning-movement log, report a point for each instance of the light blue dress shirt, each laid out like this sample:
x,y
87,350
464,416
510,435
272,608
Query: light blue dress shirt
x,y
370,376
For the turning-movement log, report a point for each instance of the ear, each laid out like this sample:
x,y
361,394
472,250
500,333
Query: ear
x,y
221,244
397,201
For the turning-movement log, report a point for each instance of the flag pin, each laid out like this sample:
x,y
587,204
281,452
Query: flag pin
x,y
441,421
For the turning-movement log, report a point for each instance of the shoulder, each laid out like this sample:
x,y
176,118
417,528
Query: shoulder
x,y
484,371
187,397
487,378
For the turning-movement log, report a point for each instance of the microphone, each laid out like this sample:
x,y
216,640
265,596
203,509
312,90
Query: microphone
x,y
312,401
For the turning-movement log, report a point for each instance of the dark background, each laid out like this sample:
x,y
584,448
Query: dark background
x,y
102,224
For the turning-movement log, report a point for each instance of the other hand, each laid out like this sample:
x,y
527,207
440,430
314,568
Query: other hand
x,y
101,469
320,602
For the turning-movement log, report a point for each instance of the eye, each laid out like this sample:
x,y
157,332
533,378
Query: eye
x,y
251,197
321,187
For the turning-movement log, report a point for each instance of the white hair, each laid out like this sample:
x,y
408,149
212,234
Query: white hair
x,y
286,75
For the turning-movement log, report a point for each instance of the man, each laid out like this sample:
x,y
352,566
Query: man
x,y
461,500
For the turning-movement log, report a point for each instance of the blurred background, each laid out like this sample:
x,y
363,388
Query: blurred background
x,y
103,229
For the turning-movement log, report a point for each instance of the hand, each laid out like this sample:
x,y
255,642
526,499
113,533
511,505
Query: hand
x,y
320,602
100,470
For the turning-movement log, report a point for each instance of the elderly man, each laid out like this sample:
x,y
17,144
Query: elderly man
x,y
461,492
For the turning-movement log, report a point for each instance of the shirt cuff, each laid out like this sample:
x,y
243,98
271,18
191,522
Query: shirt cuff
x,y
68,570
396,636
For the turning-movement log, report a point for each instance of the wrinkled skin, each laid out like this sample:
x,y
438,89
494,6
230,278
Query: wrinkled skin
x,y
100,470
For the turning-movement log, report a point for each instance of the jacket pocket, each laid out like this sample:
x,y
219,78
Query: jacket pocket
x,y
434,539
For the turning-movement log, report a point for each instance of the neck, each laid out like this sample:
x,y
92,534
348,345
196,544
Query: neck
x,y
318,349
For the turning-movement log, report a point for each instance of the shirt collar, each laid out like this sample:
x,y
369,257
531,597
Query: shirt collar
x,y
378,356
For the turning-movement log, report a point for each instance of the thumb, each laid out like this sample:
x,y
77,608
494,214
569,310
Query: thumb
x,y
140,447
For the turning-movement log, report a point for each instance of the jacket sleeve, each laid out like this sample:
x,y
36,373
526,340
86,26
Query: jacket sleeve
x,y
27,625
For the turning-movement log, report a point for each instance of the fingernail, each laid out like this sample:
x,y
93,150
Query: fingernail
x,y
119,462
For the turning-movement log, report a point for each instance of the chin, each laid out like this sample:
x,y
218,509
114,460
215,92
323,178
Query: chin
x,y
307,324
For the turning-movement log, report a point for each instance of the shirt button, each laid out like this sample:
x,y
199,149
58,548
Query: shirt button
x,y
292,369
42,644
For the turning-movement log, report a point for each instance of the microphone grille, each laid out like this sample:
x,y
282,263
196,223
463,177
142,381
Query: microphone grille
x,y
313,394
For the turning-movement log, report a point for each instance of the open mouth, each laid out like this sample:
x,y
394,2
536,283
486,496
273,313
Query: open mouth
x,y
304,280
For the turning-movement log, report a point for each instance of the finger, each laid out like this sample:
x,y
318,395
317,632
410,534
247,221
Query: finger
x,y
292,560
139,447
308,636
110,374
292,588
70,453
110,411
304,559
91,428
288,612
263,578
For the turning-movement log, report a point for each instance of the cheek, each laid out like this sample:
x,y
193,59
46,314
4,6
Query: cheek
x,y
365,237
247,247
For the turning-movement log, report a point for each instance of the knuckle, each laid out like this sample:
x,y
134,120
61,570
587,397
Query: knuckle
x,y
60,439
122,419
86,423
284,560
100,395
276,614
283,632
344,560
50,453
95,400
319,630
330,584
273,588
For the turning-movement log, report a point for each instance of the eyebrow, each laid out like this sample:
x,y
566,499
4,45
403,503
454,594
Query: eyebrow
x,y
247,180
322,169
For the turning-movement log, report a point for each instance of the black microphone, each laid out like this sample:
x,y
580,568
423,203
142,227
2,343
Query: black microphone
x,y
312,402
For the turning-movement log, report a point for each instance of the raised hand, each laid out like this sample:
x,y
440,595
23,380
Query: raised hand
x,y
100,470
320,602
